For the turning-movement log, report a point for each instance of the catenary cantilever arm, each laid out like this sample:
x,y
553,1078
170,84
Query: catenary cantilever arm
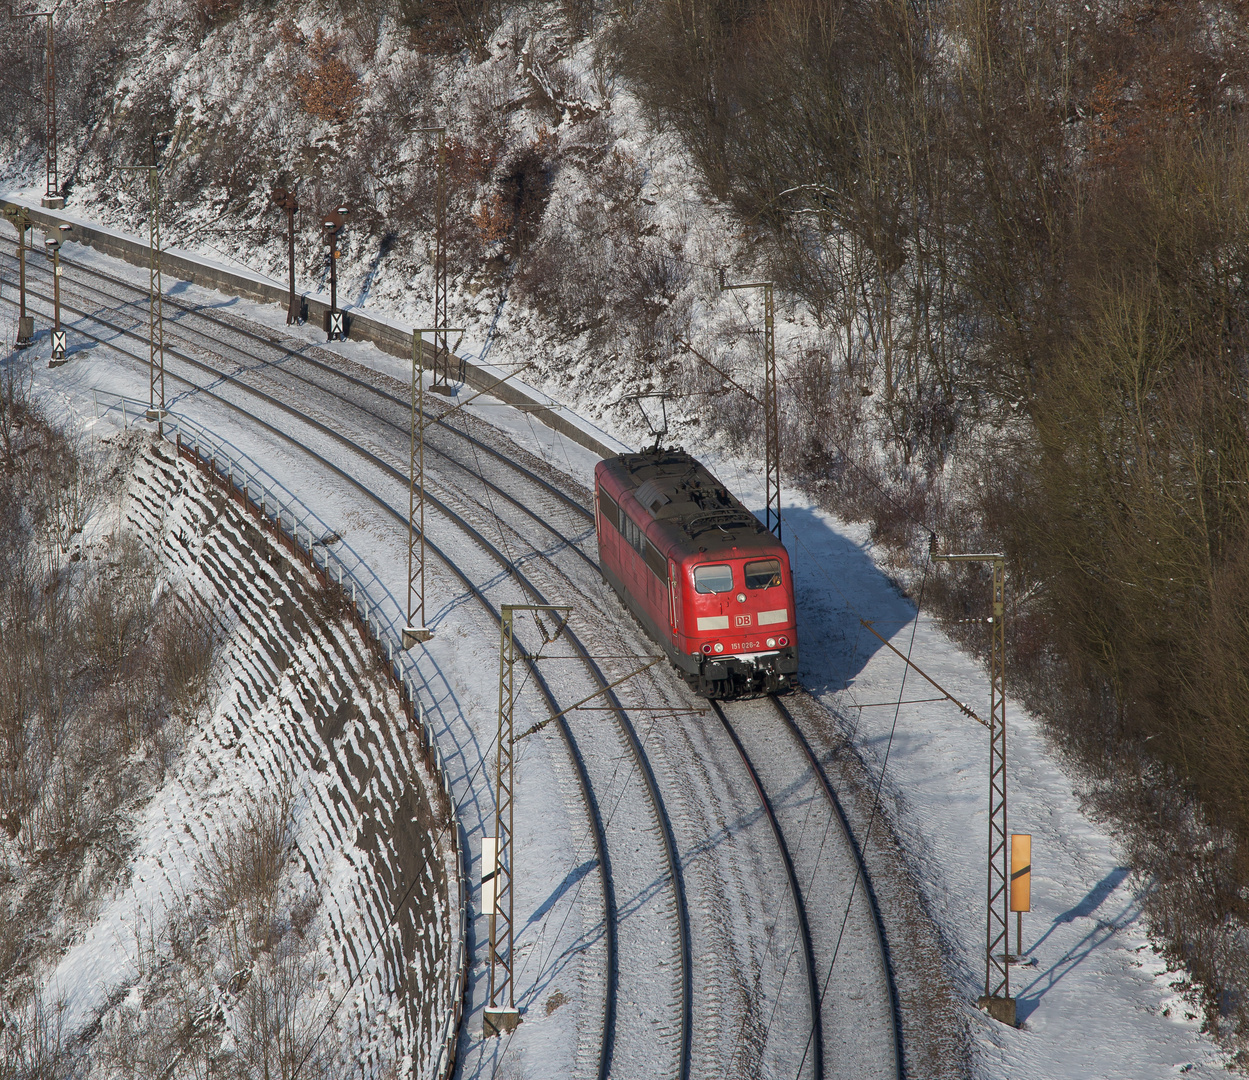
x,y
950,697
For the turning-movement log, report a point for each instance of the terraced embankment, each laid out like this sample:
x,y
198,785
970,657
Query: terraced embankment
x,y
300,706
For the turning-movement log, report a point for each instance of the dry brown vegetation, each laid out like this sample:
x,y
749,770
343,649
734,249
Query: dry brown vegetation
x,y
327,86
451,25
32,1044
1024,229
97,677
254,937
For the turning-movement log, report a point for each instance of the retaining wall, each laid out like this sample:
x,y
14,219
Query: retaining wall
x,y
387,336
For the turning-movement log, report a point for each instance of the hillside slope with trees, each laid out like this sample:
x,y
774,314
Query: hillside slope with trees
x,y
1031,222
1010,240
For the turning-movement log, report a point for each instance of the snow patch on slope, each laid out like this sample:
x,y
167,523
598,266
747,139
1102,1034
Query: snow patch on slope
x,y
297,706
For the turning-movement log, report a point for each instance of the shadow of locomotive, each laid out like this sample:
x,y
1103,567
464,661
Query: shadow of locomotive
x,y
835,584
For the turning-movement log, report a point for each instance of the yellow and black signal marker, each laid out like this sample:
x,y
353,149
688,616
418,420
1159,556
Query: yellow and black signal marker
x,y
1021,872
1020,886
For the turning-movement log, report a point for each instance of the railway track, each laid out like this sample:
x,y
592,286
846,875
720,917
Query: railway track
x,y
842,939
809,878
267,354
813,1050
610,1050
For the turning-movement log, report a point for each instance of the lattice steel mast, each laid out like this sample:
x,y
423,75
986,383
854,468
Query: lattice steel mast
x,y
416,631
52,199
771,411
441,383
997,1000
441,351
156,313
501,1015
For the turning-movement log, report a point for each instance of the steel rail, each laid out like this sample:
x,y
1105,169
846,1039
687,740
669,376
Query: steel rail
x,y
402,430
632,741
610,910
800,908
297,354
787,718
878,922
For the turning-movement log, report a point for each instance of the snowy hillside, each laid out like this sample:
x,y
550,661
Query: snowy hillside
x,y
1008,255
286,898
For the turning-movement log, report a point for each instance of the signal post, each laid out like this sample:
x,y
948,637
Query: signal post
x,y
286,200
20,218
335,323
53,245
1020,887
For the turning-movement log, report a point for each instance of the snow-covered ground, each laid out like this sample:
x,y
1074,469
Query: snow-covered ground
x,y
296,717
1099,1001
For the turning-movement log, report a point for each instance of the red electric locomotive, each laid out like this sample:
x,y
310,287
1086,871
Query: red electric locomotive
x,y
700,572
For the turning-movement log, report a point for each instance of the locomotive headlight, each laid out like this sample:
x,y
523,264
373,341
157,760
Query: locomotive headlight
x,y
771,643
741,597
784,641
719,647
707,649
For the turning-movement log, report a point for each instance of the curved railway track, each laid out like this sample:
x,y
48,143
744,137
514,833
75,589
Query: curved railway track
x,y
774,777
290,359
609,1051
815,1042
843,939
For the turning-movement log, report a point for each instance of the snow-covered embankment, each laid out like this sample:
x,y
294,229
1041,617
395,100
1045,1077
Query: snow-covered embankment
x,y
302,716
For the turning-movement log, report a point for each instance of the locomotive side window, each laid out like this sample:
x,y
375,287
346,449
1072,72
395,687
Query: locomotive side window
x,y
657,563
632,533
763,574
713,579
608,508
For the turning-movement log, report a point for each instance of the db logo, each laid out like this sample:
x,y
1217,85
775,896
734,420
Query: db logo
x,y
742,620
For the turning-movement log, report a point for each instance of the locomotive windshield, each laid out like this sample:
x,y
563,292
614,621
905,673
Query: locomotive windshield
x,y
763,574
713,579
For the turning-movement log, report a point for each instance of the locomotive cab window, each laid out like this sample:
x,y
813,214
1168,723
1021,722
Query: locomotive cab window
x,y
713,579
763,574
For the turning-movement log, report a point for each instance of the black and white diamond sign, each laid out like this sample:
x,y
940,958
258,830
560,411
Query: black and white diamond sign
x,y
336,323
58,343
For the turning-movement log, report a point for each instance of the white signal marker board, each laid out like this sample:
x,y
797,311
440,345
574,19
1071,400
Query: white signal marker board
x,y
489,870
